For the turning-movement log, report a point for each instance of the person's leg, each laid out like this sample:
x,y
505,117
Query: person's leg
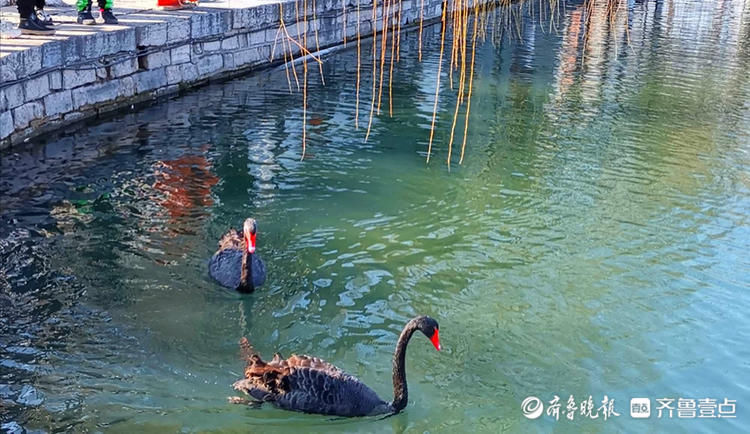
x,y
25,8
84,12
40,4
105,9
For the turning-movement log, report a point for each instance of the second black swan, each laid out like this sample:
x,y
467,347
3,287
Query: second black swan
x,y
311,385
236,265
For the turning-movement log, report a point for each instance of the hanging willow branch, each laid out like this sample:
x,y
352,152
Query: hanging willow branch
x,y
483,17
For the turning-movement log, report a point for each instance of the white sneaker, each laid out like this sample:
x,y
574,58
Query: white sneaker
x,y
44,17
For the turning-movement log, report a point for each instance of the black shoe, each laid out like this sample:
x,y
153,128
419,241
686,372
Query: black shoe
x,y
32,26
44,17
85,17
108,16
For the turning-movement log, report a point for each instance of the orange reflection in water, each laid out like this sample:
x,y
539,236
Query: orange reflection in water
x,y
185,186
569,51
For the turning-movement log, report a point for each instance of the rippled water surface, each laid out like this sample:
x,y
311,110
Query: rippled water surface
x,y
594,242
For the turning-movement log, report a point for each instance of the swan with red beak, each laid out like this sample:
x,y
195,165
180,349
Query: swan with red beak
x,y
236,264
312,385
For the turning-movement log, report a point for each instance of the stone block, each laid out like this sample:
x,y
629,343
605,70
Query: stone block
x,y
8,66
127,87
55,80
24,114
264,53
178,30
156,60
58,103
6,124
154,34
242,39
96,93
189,72
71,50
149,80
290,14
32,61
209,64
52,54
228,61
181,54
246,56
215,22
231,43
174,74
36,87
75,78
240,18
107,42
261,36
211,46
266,15
11,96
79,97
123,68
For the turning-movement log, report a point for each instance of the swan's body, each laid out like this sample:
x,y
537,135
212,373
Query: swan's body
x,y
311,385
235,264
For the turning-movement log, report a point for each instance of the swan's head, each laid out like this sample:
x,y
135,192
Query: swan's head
x,y
249,229
429,327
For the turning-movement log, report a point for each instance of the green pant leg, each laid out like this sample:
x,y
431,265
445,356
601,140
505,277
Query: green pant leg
x,y
82,5
106,4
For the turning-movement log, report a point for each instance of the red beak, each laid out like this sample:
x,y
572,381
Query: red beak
x,y
250,243
435,339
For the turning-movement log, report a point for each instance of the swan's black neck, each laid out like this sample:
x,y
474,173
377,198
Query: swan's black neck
x,y
400,390
246,273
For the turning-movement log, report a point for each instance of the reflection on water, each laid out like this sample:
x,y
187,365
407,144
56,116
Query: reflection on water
x,y
592,243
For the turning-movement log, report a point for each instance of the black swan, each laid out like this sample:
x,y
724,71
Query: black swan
x,y
311,385
235,264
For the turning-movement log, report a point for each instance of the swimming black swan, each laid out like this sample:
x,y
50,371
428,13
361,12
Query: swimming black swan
x,y
311,385
235,264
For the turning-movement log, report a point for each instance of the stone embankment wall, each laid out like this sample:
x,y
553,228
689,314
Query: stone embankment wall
x,y
46,86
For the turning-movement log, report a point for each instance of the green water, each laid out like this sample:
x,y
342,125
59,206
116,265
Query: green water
x,y
594,242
